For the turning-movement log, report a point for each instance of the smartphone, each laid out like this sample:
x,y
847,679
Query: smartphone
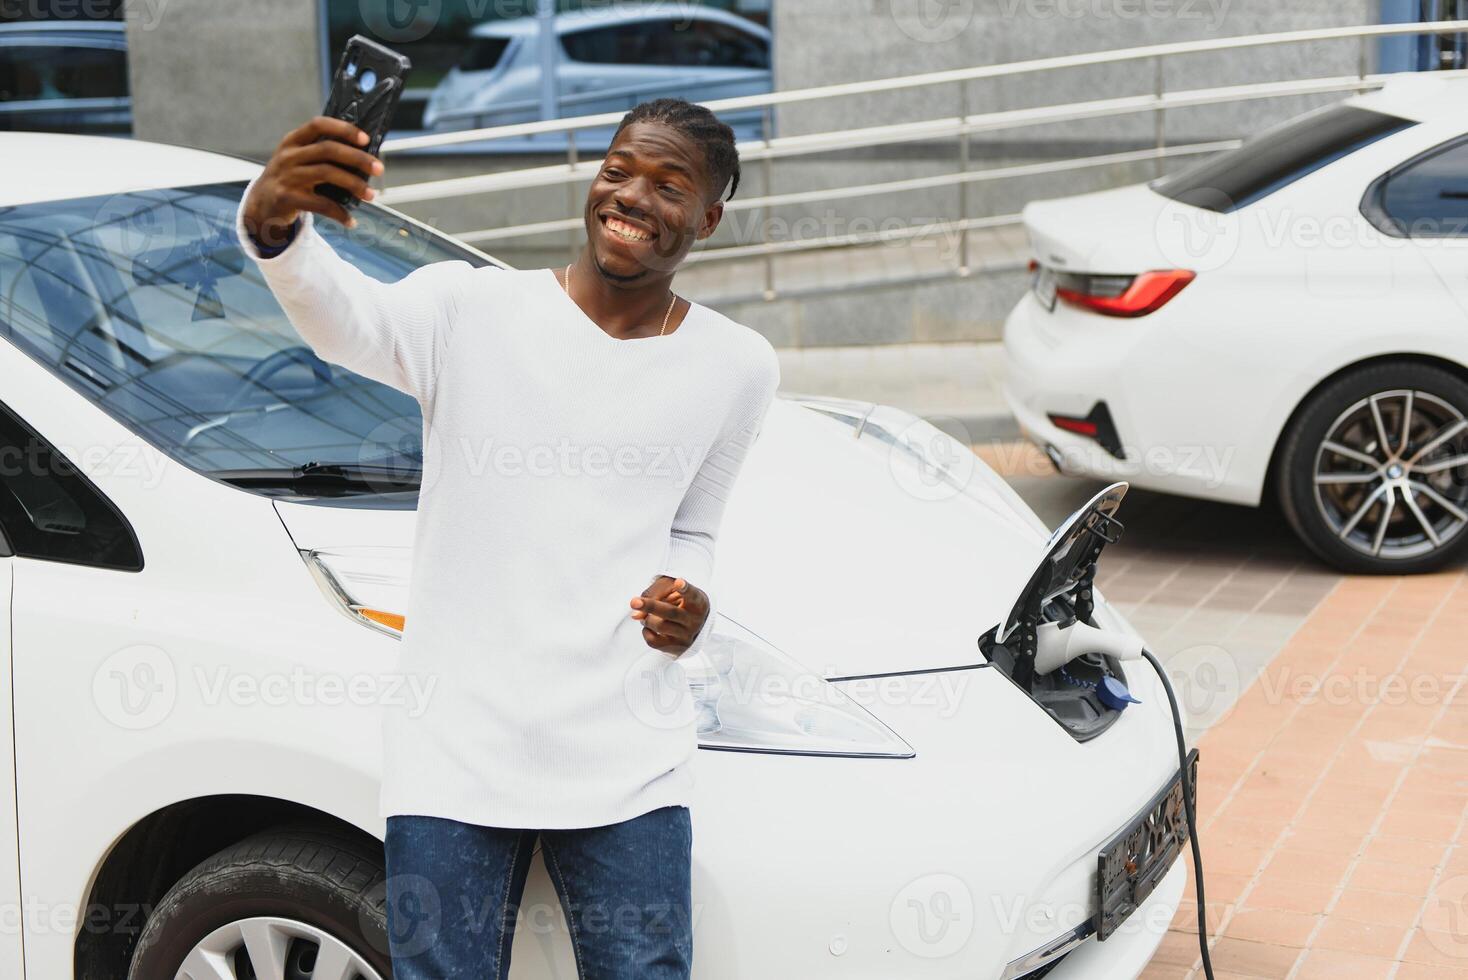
x,y
364,91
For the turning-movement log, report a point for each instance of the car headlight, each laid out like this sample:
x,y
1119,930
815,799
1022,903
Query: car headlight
x,y
751,697
369,584
748,695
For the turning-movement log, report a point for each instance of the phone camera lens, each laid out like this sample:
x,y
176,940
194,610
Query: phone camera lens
x,y
368,81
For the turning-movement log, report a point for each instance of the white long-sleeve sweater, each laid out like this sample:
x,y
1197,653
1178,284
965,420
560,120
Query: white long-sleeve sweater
x,y
563,471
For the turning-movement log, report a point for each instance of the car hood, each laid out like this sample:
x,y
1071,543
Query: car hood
x,y
859,539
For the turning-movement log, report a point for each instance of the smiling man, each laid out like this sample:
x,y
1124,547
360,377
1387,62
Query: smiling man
x,y
552,591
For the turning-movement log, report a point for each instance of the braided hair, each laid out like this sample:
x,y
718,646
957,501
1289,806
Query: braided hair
x,y
700,125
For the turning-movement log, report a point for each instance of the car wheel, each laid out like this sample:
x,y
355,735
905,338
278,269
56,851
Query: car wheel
x,y
297,905
1373,474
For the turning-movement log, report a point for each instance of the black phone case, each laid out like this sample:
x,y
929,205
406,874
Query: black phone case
x,y
370,109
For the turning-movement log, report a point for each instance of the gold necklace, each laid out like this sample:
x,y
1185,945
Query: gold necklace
x,y
566,282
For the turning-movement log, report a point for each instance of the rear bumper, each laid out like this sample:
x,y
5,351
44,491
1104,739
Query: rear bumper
x,y
1174,435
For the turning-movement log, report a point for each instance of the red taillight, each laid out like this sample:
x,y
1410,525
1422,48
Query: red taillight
x,y
1082,427
1142,295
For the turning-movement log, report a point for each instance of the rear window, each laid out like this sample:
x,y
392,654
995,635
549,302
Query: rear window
x,y
483,54
1277,157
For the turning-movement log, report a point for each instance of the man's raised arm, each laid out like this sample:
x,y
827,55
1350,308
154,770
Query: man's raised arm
x,y
395,333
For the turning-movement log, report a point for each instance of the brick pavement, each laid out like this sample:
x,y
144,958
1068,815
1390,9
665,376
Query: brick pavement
x,y
1330,719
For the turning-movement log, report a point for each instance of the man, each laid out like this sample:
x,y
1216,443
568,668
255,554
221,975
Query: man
x,y
583,427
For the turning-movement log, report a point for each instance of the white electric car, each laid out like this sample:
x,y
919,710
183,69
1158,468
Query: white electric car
x,y
207,535
1288,318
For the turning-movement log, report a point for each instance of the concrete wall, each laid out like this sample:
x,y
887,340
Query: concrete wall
x,y
234,76
228,75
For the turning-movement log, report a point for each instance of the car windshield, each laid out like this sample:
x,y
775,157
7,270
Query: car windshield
x,y
1276,157
145,304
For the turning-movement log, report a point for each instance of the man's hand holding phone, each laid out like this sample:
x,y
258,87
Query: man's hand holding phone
x,y
320,152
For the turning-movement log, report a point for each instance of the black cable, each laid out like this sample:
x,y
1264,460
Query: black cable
x,y
1188,810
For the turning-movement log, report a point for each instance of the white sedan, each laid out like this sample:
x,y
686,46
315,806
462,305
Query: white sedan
x,y
1286,319
207,533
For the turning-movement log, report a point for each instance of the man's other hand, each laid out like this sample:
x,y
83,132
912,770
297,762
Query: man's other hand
x,y
672,612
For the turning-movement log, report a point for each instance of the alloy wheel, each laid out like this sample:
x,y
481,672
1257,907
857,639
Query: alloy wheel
x,y
273,948
1391,475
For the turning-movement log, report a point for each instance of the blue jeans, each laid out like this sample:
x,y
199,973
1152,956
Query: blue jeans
x,y
454,889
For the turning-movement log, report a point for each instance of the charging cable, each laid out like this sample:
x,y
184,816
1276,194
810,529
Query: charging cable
x,y
1188,810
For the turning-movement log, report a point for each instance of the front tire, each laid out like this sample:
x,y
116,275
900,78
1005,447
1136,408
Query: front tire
x,y
1373,473
310,903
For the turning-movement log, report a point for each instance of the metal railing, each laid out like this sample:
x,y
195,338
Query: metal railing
x,y
962,126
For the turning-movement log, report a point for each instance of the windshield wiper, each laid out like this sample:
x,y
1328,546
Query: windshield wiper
x,y
369,476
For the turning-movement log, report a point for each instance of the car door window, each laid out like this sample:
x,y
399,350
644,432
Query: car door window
x,y
1427,197
49,510
710,44
640,44
483,53
56,72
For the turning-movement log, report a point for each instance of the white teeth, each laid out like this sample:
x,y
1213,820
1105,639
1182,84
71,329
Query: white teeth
x,y
623,230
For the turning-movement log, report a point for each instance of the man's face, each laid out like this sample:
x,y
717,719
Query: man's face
x,y
649,203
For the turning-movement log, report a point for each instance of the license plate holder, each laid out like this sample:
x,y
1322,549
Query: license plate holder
x,y
1044,286
1134,862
